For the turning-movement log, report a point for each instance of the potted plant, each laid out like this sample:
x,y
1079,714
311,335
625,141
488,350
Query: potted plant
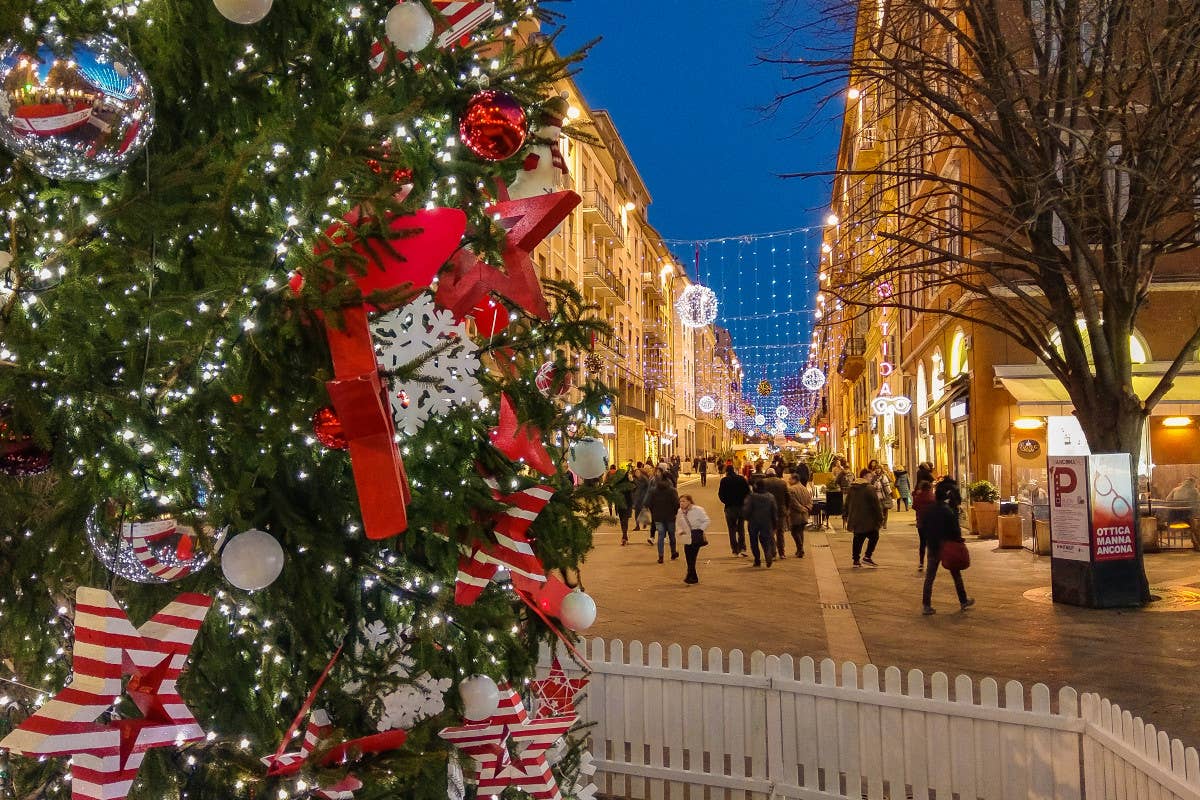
x,y
984,508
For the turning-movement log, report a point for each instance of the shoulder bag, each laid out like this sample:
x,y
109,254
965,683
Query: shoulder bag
x,y
955,555
698,537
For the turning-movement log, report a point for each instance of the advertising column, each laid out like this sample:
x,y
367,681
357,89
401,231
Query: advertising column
x,y
1094,559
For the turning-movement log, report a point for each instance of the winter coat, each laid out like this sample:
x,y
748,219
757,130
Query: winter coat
x,y
733,490
902,483
761,511
663,502
623,485
942,525
883,488
864,512
924,474
641,487
844,478
800,502
694,517
922,502
702,467
777,488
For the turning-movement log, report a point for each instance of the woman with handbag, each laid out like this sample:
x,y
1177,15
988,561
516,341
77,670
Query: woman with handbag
x,y
944,544
694,519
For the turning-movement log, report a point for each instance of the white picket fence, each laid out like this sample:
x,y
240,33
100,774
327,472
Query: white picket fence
x,y
783,728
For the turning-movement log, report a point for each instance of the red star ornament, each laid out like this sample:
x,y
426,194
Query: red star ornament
x,y
487,743
554,695
106,757
520,442
528,221
512,549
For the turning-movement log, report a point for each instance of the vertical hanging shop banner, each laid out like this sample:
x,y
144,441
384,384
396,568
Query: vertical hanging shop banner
x,y
1112,507
1070,522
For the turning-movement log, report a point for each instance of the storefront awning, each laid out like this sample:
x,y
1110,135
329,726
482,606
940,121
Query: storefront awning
x,y
1037,391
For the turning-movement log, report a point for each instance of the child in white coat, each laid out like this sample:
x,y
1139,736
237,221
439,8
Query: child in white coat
x,y
692,520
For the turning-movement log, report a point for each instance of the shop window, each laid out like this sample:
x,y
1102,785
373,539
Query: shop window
x,y
937,381
1139,352
958,354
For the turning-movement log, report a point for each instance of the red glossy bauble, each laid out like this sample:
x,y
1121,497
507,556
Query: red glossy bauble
x,y
19,456
493,126
328,429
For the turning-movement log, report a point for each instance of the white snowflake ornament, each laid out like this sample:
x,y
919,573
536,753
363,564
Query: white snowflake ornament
x,y
404,338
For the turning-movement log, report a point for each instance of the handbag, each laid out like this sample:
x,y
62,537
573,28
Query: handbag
x,y
698,537
955,555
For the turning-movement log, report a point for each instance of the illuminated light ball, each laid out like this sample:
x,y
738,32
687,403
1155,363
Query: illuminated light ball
x,y
546,377
760,420
697,306
812,379
781,412
780,425
480,697
578,611
83,111
243,12
765,388
587,458
252,560
593,363
493,126
328,429
707,404
748,410
409,26
730,424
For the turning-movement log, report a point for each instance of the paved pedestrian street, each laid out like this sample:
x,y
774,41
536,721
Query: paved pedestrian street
x,y
1145,660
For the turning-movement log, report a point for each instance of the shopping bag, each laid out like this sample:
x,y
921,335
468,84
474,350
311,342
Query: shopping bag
x,y
955,555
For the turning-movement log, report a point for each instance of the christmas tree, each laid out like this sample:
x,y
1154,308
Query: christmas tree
x,y
265,302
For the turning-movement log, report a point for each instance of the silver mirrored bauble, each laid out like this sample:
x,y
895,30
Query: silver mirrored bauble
x,y
77,110
148,552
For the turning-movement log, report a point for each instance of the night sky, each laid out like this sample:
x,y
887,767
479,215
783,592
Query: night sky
x,y
684,89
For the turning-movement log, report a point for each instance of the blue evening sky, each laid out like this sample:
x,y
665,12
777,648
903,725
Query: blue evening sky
x,y
683,88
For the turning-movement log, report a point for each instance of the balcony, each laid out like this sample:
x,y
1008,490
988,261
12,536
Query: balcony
x,y
852,362
653,289
613,344
598,276
597,212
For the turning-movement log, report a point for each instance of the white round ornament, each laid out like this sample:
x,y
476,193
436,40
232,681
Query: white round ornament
x,y
243,12
544,380
697,306
480,696
409,27
812,379
707,404
781,412
760,419
252,560
578,611
588,458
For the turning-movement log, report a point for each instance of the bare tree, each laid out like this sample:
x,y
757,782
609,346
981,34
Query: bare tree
x,y
1037,167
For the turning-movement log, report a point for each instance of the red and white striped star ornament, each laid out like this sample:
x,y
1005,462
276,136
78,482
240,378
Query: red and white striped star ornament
x,y
554,695
512,550
526,767
105,757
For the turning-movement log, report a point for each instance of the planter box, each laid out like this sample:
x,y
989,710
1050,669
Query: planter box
x,y
1149,532
1041,537
984,518
1009,530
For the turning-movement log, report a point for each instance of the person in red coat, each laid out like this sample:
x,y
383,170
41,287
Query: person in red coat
x,y
922,501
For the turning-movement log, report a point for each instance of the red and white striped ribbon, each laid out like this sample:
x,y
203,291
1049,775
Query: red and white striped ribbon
x,y
457,20
512,550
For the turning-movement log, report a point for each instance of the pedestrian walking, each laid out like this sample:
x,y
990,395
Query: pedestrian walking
x,y
762,515
883,488
693,521
622,487
732,493
864,515
641,488
800,503
925,472
922,501
779,490
944,527
663,503
608,479
903,487
702,468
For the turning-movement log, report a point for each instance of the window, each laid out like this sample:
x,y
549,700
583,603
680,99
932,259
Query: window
x,y
937,381
958,354
1139,353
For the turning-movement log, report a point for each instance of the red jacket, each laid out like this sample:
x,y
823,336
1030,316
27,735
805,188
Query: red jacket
x,y
922,501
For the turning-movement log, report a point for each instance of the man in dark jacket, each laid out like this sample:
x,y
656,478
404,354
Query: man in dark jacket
x,y
702,468
864,515
778,489
943,526
732,492
663,503
641,488
762,515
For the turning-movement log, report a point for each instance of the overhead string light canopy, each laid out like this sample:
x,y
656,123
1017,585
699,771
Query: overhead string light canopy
x,y
766,285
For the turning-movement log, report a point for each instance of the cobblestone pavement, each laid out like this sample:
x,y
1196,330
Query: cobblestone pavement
x,y
1146,660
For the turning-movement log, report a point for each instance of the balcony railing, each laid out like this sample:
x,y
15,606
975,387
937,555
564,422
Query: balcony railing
x,y
598,212
617,346
653,289
852,361
597,275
